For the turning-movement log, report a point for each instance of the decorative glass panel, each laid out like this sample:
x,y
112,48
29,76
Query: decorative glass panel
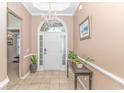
x,y
52,26
64,51
41,50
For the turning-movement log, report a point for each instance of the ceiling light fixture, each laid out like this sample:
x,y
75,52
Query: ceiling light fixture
x,y
51,15
51,8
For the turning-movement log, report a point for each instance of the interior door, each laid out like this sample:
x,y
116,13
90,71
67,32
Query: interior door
x,y
52,51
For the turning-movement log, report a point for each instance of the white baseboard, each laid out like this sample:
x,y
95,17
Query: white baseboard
x,y
62,68
4,83
41,68
26,75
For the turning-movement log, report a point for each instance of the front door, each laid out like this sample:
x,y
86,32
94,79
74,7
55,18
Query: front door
x,y
52,50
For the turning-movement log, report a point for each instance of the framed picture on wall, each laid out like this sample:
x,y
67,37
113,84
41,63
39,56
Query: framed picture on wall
x,y
10,41
10,36
85,29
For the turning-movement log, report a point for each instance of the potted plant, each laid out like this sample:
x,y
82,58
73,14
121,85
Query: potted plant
x,y
72,56
33,65
78,62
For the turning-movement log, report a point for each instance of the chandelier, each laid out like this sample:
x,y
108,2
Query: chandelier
x,y
51,8
52,16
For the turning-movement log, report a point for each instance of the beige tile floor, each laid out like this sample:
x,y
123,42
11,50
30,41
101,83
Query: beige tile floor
x,y
44,80
13,71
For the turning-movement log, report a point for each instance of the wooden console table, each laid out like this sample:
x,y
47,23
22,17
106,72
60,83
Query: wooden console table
x,y
84,71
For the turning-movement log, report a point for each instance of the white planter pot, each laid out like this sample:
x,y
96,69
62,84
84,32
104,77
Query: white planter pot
x,y
79,65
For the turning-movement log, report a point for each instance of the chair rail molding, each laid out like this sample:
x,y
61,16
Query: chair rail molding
x,y
28,55
105,72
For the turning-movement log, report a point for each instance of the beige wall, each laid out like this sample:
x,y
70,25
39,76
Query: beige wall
x,y
36,20
19,10
3,40
106,45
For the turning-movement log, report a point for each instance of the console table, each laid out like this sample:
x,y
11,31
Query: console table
x,y
84,71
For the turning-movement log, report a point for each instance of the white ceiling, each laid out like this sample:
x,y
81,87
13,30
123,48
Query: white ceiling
x,y
69,11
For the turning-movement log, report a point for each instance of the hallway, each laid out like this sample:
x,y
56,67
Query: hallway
x,y
44,80
42,36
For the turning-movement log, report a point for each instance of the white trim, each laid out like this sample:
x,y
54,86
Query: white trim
x,y
28,55
26,8
63,67
82,84
76,8
38,34
4,82
26,75
13,28
105,72
20,57
40,68
21,48
41,14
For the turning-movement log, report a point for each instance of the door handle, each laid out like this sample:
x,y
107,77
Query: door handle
x,y
45,51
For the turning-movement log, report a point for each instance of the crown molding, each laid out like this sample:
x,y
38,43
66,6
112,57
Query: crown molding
x,y
26,8
41,14
60,14
76,8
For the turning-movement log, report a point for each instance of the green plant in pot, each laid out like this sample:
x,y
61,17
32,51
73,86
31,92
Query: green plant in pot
x,y
33,65
78,63
72,56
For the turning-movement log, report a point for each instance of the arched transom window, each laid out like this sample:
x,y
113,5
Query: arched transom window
x,y
52,26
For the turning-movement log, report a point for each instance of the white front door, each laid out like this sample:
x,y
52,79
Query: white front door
x,y
52,51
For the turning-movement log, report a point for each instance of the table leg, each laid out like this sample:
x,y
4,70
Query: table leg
x,y
67,70
75,81
90,81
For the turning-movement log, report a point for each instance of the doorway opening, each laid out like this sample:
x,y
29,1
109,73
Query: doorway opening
x,y
52,45
13,46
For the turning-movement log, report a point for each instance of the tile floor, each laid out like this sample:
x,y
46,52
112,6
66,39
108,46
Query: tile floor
x,y
44,80
13,71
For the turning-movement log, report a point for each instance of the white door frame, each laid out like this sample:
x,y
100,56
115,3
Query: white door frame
x,y
38,39
21,41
